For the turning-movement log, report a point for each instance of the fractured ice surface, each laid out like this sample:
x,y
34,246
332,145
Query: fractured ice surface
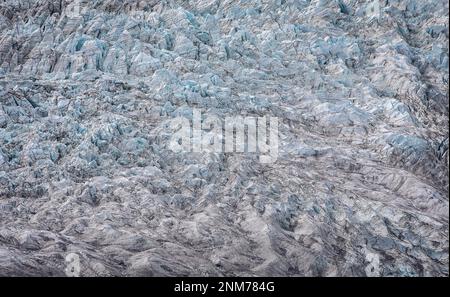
x,y
87,96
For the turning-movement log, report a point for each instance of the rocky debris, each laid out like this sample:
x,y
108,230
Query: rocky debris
x,y
87,92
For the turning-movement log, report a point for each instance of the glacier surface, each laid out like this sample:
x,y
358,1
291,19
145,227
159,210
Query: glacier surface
x,y
89,88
